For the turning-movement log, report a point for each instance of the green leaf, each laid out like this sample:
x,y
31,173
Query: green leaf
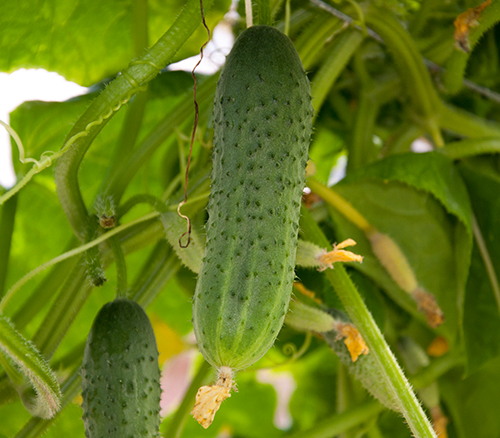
x,y
473,402
482,302
399,210
429,172
404,213
34,367
85,41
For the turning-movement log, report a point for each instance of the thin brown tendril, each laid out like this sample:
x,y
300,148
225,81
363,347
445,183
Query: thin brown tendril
x,y
196,112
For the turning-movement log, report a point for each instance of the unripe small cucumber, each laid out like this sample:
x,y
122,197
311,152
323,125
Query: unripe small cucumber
x,y
262,122
120,374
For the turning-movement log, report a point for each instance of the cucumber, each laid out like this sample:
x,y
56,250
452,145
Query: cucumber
x,y
120,374
262,122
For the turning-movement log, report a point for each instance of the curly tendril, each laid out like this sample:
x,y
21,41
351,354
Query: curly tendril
x,y
48,157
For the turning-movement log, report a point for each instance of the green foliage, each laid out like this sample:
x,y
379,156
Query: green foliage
x,y
121,150
87,41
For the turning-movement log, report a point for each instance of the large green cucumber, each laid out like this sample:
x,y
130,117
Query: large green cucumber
x,y
120,374
262,122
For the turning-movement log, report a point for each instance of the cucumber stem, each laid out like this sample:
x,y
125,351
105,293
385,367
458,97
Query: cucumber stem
x,y
121,267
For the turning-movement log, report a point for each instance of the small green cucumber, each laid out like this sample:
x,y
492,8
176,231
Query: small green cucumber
x,y
120,374
262,123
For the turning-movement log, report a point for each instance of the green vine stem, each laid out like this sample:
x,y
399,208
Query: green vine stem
x,y
263,12
414,74
135,112
341,205
390,371
7,217
71,299
312,40
44,162
132,80
194,200
286,30
121,267
127,138
341,52
143,198
140,31
340,423
470,147
61,314
175,426
466,124
158,269
45,290
372,96
75,291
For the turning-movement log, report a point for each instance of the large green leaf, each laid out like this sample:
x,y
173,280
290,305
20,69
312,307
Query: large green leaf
x,y
430,172
473,402
481,308
88,40
436,175
419,225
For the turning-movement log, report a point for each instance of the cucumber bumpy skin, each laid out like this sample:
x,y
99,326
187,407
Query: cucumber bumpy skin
x,y
120,374
263,123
